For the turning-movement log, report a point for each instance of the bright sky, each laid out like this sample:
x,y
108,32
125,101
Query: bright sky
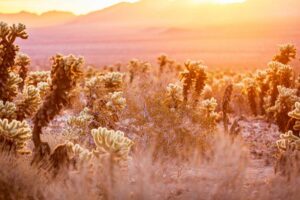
x,y
40,6
78,6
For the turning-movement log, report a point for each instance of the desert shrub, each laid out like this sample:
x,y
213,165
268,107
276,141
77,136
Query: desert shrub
x,y
286,54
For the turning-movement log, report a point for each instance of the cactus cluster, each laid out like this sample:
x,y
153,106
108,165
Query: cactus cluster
x,y
287,53
174,96
136,67
193,76
18,132
209,114
65,72
80,124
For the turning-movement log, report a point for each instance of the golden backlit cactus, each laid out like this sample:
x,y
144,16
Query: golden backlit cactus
x,y
18,132
116,102
65,72
43,88
251,91
36,77
226,106
80,124
285,101
7,110
136,67
208,113
193,76
77,151
295,114
287,53
12,86
113,81
162,61
8,51
113,143
288,141
22,61
29,104
174,96
263,87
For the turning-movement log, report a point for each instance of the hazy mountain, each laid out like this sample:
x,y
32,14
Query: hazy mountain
x,y
33,20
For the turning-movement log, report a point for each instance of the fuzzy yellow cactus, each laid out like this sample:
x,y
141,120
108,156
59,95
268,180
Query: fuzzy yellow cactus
x,y
12,86
8,51
174,96
80,124
43,88
208,113
286,54
295,114
288,141
113,81
116,102
194,75
75,150
29,103
136,66
34,78
113,143
18,132
7,110
22,61
285,101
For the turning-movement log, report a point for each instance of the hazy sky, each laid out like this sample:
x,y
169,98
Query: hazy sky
x,y
39,6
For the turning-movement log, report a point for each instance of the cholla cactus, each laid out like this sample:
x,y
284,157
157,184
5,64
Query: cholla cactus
x,y
135,67
34,78
18,132
113,143
225,106
288,141
263,87
207,92
284,103
287,53
12,85
251,94
113,81
174,95
29,103
208,108
22,61
80,124
295,114
194,75
162,61
75,150
278,74
116,102
43,88
65,72
8,51
7,110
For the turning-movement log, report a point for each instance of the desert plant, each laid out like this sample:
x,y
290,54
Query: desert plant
x,y
295,114
251,94
8,51
263,87
18,132
29,103
286,54
193,76
80,124
162,62
174,96
7,110
209,115
64,73
226,106
22,61
136,67
34,78
284,103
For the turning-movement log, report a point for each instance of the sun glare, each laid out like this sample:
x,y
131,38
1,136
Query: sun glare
x,y
219,1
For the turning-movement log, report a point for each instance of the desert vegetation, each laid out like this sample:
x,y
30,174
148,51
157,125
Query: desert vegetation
x,y
141,130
